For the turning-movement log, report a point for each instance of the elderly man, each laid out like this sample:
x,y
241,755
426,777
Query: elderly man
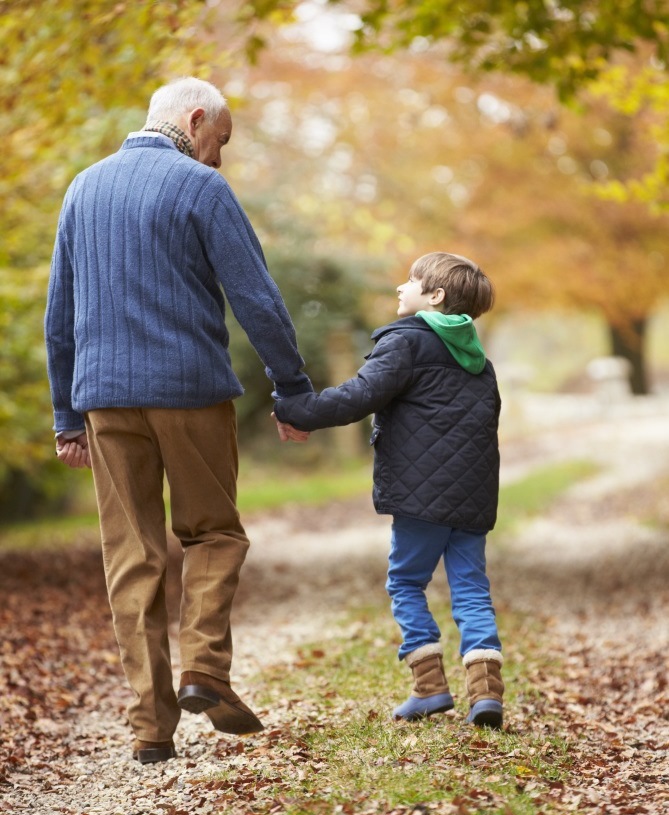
x,y
148,241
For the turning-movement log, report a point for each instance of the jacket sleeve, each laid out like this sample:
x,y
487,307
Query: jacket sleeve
x,y
386,374
239,264
59,333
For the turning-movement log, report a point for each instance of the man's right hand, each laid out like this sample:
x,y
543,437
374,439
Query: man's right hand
x,y
73,452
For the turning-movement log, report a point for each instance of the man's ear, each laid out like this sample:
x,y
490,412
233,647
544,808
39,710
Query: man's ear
x,y
437,297
195,120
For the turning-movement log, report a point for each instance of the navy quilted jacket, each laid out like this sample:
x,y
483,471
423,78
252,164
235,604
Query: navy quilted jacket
x,y
435,427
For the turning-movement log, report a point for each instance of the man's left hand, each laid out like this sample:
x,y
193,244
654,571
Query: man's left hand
x,y
73,452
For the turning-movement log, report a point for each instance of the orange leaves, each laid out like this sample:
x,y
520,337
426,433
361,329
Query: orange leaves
x,y
307,660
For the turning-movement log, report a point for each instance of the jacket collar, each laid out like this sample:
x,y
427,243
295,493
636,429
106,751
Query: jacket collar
x,y
403,322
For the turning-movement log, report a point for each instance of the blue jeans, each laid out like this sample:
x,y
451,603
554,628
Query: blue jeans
x,y
416,549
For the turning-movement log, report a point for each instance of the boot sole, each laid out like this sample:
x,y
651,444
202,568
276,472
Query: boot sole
x,y
223,715
414,712
486,713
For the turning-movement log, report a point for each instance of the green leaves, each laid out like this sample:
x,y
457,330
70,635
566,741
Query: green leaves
x,y
566,44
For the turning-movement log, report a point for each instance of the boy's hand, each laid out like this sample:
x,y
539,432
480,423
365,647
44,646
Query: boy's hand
x,y
73,452
289,433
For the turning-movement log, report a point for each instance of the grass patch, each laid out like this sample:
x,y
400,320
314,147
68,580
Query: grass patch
x,y
535,493
260,488
263,488
335,749
51,533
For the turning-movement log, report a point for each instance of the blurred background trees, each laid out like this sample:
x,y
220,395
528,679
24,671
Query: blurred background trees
x,y
74,77
530,136
566,45
428,156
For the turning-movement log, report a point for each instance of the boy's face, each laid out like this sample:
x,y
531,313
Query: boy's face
x,y
412,299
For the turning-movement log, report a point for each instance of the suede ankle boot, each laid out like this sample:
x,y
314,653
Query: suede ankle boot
x,y
430,693
484,687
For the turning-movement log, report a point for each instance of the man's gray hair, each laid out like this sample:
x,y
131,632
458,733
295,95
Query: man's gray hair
x,y
183,95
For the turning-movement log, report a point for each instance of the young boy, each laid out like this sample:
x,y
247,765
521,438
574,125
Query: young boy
x,y
436,471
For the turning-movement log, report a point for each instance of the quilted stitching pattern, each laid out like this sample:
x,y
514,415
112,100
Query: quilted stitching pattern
x,y
436,448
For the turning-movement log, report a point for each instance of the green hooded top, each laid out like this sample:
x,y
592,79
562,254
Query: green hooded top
x,y
458,334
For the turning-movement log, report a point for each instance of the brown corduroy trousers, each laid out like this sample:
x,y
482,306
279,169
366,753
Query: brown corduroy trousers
x,y
132,450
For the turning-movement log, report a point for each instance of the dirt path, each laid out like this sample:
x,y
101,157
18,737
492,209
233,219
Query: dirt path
x,y
597,577
594,578
591,572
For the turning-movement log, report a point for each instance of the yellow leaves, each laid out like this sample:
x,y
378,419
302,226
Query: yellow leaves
x,y
24,394
640,92
103,18
71,74
612,191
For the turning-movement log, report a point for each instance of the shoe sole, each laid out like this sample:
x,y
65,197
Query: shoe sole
x,y
228,719
223,715
152,755
197,698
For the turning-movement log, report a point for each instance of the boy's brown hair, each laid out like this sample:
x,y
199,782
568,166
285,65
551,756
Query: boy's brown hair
x,y
468,290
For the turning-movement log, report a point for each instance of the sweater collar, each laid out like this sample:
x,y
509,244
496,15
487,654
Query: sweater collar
x,y
176,134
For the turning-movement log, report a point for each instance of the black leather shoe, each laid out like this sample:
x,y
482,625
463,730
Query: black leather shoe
x,y
150,752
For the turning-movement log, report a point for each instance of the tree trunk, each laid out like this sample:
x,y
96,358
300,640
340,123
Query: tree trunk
x,y
630,343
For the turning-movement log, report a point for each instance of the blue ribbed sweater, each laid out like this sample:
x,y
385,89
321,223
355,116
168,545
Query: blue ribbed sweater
x,y
135,316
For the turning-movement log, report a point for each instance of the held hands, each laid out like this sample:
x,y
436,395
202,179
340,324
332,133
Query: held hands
x,y
288,433
73,452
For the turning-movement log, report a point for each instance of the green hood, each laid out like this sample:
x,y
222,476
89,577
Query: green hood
x,y
458,334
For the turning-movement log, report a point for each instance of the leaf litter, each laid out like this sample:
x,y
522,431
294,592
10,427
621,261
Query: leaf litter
x,y
600,675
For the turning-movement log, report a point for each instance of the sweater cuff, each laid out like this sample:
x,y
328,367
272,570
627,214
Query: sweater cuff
x,y
303,385
68,420
68,435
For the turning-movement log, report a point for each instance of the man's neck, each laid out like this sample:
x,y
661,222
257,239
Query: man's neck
x,y
173,132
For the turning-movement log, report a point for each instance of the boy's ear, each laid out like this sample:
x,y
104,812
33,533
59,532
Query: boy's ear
x,y
437,297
